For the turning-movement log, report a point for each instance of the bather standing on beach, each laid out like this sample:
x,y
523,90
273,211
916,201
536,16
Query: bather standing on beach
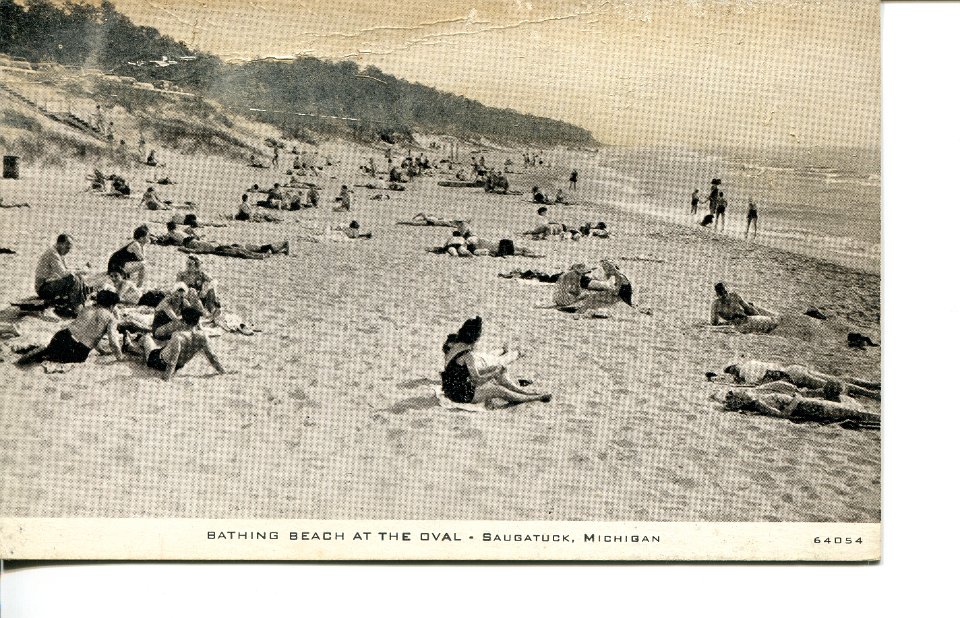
x,y
752,217
720,218
714,196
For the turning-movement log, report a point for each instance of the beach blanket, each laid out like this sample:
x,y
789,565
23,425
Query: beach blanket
x,y
448,404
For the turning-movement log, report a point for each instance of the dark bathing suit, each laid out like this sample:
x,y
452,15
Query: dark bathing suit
x,y
120,259
154,361
63,348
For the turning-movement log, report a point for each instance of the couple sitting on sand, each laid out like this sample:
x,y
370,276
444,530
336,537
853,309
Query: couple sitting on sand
x,y
470,376
800,394
745,317
577,293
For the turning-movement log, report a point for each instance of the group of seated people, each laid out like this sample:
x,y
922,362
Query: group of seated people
x,y
174,336
472,376
800,394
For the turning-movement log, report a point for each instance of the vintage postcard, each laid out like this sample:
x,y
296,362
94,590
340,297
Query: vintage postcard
x,y
472,279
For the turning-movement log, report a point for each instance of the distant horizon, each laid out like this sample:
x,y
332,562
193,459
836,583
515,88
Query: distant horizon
x,y
707,74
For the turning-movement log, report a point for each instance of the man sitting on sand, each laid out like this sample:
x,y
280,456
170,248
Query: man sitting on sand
x,y
129,259
184,344
758,372
539,197
746,317
471,377
74,343
245,213
54,282
799,408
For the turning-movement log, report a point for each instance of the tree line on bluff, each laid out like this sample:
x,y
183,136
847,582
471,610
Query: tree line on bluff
x,y
343,97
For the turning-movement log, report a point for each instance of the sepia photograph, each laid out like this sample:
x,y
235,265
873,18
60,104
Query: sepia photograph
x,y
444,280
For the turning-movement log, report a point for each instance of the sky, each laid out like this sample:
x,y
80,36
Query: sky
x,y
760,73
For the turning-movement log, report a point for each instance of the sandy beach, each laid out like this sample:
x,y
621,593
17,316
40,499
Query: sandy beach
x,y
332,414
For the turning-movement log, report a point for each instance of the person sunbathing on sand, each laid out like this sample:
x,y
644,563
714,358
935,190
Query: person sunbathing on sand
x,y
456,245
746,317
423,219
505,247
184,344
74,343
545,227
799,408
175,236
352,231
758,372
236,250
471,377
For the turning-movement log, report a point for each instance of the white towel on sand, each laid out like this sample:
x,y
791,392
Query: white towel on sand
x,y
449,404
